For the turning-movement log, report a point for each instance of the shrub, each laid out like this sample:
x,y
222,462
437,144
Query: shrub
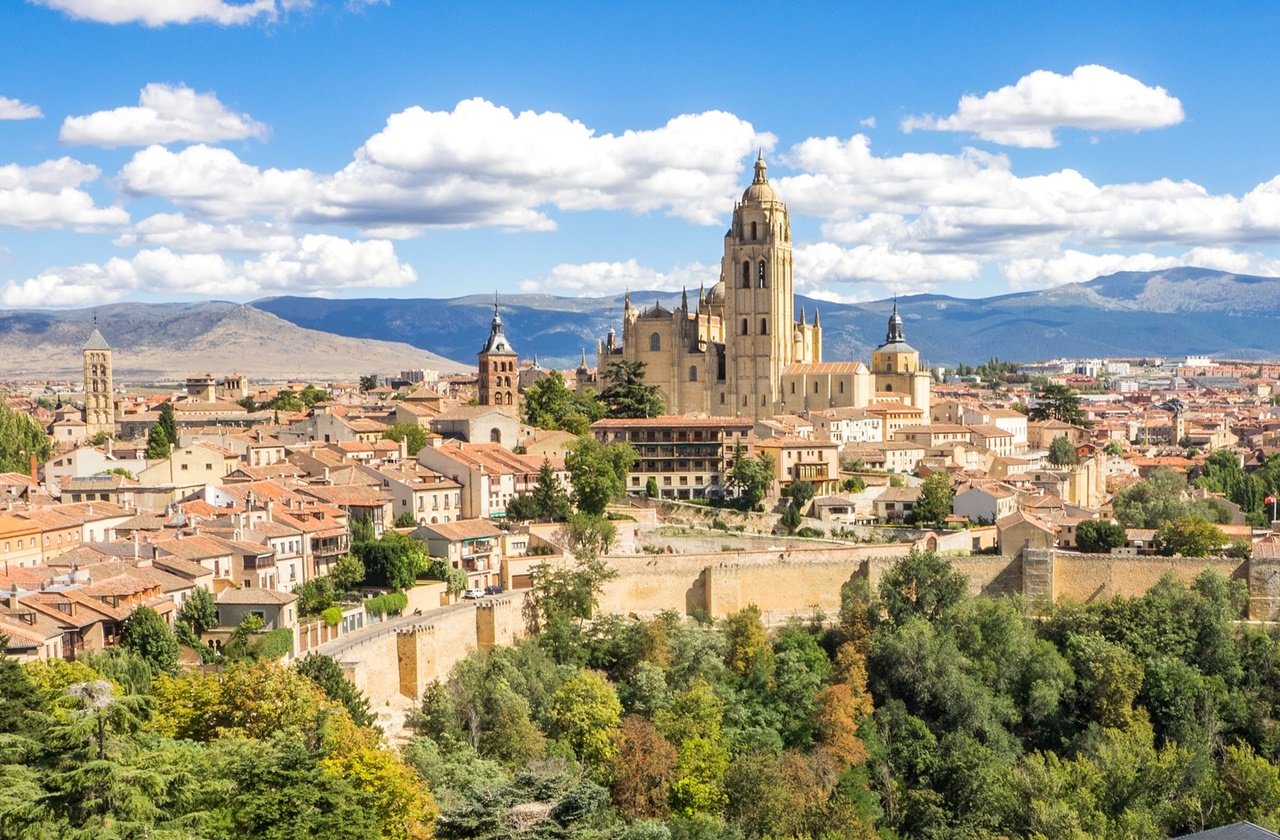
x,y
332,616
389,603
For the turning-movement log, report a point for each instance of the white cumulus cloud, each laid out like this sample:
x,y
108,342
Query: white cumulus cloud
x,y
164,114
310,264
479,165
1027,112
594,279
821,266
156,13
216,182
49,195
13,109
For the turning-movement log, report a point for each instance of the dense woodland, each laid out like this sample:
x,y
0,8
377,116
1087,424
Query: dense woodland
x,y
917,712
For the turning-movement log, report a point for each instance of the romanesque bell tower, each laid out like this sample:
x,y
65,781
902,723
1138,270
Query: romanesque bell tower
x,y
499,380
99,404
759,304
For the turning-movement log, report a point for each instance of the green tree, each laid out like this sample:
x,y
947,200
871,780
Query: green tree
x,y
1057,402
550,404
585,712
1153,502
751,477
801,493
920,584
1113,449
1099,536
348,573
414,436
651,488
146,634
1190,536
598,472
627,396
314,596
368,382
791,517
169,423
547,503
199,611
934,504
158,443
393,560
749,653
99,438
1061,452
326,673
404,520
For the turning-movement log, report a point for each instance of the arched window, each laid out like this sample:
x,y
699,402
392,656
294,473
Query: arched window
x,y
495,436
753,230
746,274
760,278
655,342
693,373
764,326
889,387
746,328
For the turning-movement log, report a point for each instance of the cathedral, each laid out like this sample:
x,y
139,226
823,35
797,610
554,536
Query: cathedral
x,y
740,350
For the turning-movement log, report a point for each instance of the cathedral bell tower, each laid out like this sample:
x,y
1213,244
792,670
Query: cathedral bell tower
x,y
759,304
499,380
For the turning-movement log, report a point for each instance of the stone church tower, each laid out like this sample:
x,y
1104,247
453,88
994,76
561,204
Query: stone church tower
x,y
739,350
760,325
99,402
499,380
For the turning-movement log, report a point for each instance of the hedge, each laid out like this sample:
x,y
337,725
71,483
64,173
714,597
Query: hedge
x,y
391,602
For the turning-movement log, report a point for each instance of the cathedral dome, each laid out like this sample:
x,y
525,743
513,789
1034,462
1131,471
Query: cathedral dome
x,y
716,295
760,190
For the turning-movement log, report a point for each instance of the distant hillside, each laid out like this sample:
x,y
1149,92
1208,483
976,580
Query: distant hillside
x,y
1175,312
168,341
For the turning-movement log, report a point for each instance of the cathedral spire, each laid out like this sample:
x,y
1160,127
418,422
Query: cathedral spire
x,y
684,299
802,314
762,170
497,342
894,335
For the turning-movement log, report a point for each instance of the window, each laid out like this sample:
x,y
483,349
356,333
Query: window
x,y
753,230
495,436
764,326
889,387
842,387
760,278
746,274
746,328
693,373
655,342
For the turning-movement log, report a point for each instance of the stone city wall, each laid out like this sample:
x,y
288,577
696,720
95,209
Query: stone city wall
x,y
406,654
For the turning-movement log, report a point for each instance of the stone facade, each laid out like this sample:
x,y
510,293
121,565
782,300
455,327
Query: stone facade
x,y
739,350
99,403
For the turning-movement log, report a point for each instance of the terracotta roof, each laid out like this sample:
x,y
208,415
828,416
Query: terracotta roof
x,y
463,529
252,596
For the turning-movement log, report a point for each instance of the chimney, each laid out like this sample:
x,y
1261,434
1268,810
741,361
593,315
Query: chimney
x,y
135,546
34,476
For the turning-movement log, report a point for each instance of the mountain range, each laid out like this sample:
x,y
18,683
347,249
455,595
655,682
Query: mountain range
x,y
166,342
1175,312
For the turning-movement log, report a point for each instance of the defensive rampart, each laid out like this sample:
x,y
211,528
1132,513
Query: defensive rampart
x,y
400,657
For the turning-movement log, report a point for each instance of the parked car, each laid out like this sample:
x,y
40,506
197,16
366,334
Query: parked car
x,y
493,589
473,594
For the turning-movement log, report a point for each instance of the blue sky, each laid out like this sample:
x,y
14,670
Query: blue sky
x,y
179,149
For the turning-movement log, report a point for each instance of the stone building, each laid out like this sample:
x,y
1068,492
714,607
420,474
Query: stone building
x,y
99,403
499,380
739,350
